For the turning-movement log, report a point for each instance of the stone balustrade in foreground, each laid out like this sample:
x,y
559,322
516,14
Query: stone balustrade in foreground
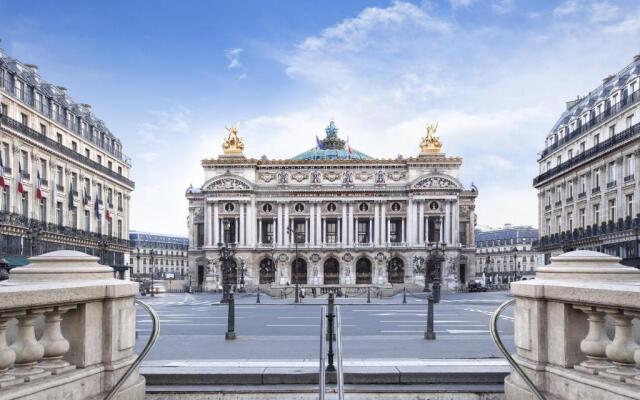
x,y
577,326
67,330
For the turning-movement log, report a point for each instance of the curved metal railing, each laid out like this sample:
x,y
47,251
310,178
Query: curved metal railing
x,y
496,338
323,340
155,331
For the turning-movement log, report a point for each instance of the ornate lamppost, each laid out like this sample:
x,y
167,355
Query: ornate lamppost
x,y
227,251
242,271
138,258
435,252
296,235
515,263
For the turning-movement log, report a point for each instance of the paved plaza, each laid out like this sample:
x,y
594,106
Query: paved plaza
x,y
193,327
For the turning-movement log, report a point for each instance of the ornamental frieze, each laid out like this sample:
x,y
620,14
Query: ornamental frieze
x,y
364,176
283,178
228,184
436,183
316,177
267,177
396,175
331,176
299,176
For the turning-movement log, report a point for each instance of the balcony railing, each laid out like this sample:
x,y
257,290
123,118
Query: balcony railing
x,y
558,203
582,195
569,199
52,144
628,178
595,190
611,184
597,150
567,238
608,112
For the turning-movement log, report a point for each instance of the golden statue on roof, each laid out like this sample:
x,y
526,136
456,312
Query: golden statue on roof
x,y
233,144
431,144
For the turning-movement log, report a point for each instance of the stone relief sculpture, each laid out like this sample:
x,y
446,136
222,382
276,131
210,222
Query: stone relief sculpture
x,y
299,176
228,184
315,177
363,176
267,177
396,175
331,176
379,177
283,178
436,183
347,178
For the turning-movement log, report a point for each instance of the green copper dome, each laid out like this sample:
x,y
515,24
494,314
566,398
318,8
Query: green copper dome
x,y
331,148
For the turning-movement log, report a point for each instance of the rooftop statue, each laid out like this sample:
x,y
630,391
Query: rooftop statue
x,y
233,144
431,144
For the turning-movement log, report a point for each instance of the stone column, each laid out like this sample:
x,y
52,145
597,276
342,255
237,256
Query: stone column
x,y
319,223
324,230
447,222
410,221
350,228
279,240
285,227
312,223
306,231
456,223
344,225
216,224
388,232
421,222
243,209
402,231
383,222
251,224
376,223
259,230
207,224
237,232
370,231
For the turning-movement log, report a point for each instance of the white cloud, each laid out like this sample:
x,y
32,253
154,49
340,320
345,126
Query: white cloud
x,y
567,7
502,6
461,3
233,56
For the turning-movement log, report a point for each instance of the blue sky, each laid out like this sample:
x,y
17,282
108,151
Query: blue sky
x,y
167,77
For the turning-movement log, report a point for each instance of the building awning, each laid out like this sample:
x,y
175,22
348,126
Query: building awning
x,y
14,261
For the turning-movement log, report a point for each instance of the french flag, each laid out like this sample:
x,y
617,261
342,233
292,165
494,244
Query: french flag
x,y
20,185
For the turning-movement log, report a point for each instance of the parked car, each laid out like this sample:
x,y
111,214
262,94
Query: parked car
x,y
476,285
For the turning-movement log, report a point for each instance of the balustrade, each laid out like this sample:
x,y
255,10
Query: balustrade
x,y
65,324
577,328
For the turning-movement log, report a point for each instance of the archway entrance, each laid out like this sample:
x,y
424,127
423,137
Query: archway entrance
x,y
200,274
363,271
267,274
331,272
396,270
299,271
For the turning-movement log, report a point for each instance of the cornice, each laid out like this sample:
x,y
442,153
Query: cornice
x,y
374,163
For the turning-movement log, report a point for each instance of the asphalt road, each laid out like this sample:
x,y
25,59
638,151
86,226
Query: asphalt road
x,y
193,328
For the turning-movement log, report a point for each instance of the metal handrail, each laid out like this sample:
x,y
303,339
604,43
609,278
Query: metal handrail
x,y
323,340
339,370
155,331
493,327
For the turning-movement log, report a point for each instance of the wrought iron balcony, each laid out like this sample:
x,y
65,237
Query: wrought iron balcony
x,y
582,195
569,199
595,190
611,184
547,207
628,178
60,188
595,151
52,144
558,203
580,129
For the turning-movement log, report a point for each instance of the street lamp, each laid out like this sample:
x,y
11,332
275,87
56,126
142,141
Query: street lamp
x,y
227,251
296,235
242,271
138,258
435,253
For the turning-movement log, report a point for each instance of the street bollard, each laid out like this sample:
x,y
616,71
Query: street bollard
x,y
231,318
404,295
258,297
368,294
330,334
430,334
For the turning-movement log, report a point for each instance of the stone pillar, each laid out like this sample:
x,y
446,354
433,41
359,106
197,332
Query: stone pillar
x,y
259,230
324,230
312,224
306,232
208,232
344,225
402,231
383,222
285,233
456,223
216,224
376,223
251,225
350,228
421,222
319,224
447,222
243,209
410,222
279,240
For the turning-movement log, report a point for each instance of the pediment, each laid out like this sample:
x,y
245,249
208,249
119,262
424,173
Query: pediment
x,y
227,183
437,182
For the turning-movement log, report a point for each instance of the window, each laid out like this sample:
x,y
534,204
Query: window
x,y
24,164
559,193
87,221
87,187
99,159
4,109
629,164
74,182
582,147
59,213
6,160
331,207
363,207
267,208
629,121
99,192
73,216
596,178
612,210
596,214
629,199
109,165
43,210
87,153
59,137
548,165
570,221
43,169
558,223
331,231
109,227
110,197
24,119
119,170
120,201
583,183
59,178
558,160
612,172
4,199
583,219
363,231
612,131
570,194
74,146
596,140
25,204
570,154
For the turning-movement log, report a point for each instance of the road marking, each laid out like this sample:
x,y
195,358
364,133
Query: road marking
x,y
298,317
458,331
292,325
489,313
